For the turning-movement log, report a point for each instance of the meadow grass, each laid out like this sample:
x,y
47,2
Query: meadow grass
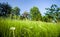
x,y
25,28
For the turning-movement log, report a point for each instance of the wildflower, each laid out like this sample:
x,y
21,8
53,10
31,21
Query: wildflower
x,y
12,28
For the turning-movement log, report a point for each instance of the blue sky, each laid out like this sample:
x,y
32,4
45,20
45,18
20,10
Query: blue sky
x,y
26,5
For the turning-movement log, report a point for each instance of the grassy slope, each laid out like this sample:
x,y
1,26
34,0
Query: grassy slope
x,y
28,28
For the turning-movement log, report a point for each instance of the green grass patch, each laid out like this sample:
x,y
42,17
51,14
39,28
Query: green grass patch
x,y
28,28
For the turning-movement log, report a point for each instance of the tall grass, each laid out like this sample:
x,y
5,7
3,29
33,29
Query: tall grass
x,y
28,28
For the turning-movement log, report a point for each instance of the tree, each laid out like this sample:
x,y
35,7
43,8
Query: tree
x,y
53,12
25,14
15,12
5,9
35,14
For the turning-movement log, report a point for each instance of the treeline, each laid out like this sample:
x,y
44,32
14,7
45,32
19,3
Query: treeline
x,y
52,13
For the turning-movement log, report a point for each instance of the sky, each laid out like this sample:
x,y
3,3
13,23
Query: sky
x,y
26,5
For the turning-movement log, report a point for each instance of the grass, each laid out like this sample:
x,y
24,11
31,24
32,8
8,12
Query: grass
x,y
29,28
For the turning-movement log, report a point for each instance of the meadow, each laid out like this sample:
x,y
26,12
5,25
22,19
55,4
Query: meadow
x,y
26,28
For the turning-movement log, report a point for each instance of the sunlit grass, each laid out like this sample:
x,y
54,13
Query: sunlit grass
x,y
28,28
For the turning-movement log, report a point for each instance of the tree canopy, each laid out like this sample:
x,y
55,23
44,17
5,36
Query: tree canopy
x,y
16,11
5,9
35,13
53,12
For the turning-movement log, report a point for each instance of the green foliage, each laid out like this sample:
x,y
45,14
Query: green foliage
x,y
15,12
5,9
53,12
45,19
28,28
35,14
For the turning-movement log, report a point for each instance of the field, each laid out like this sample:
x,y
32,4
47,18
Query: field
x,y
28,28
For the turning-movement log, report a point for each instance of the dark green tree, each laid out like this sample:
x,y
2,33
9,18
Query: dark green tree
x,y
5,9
35,14
53,12
15,12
